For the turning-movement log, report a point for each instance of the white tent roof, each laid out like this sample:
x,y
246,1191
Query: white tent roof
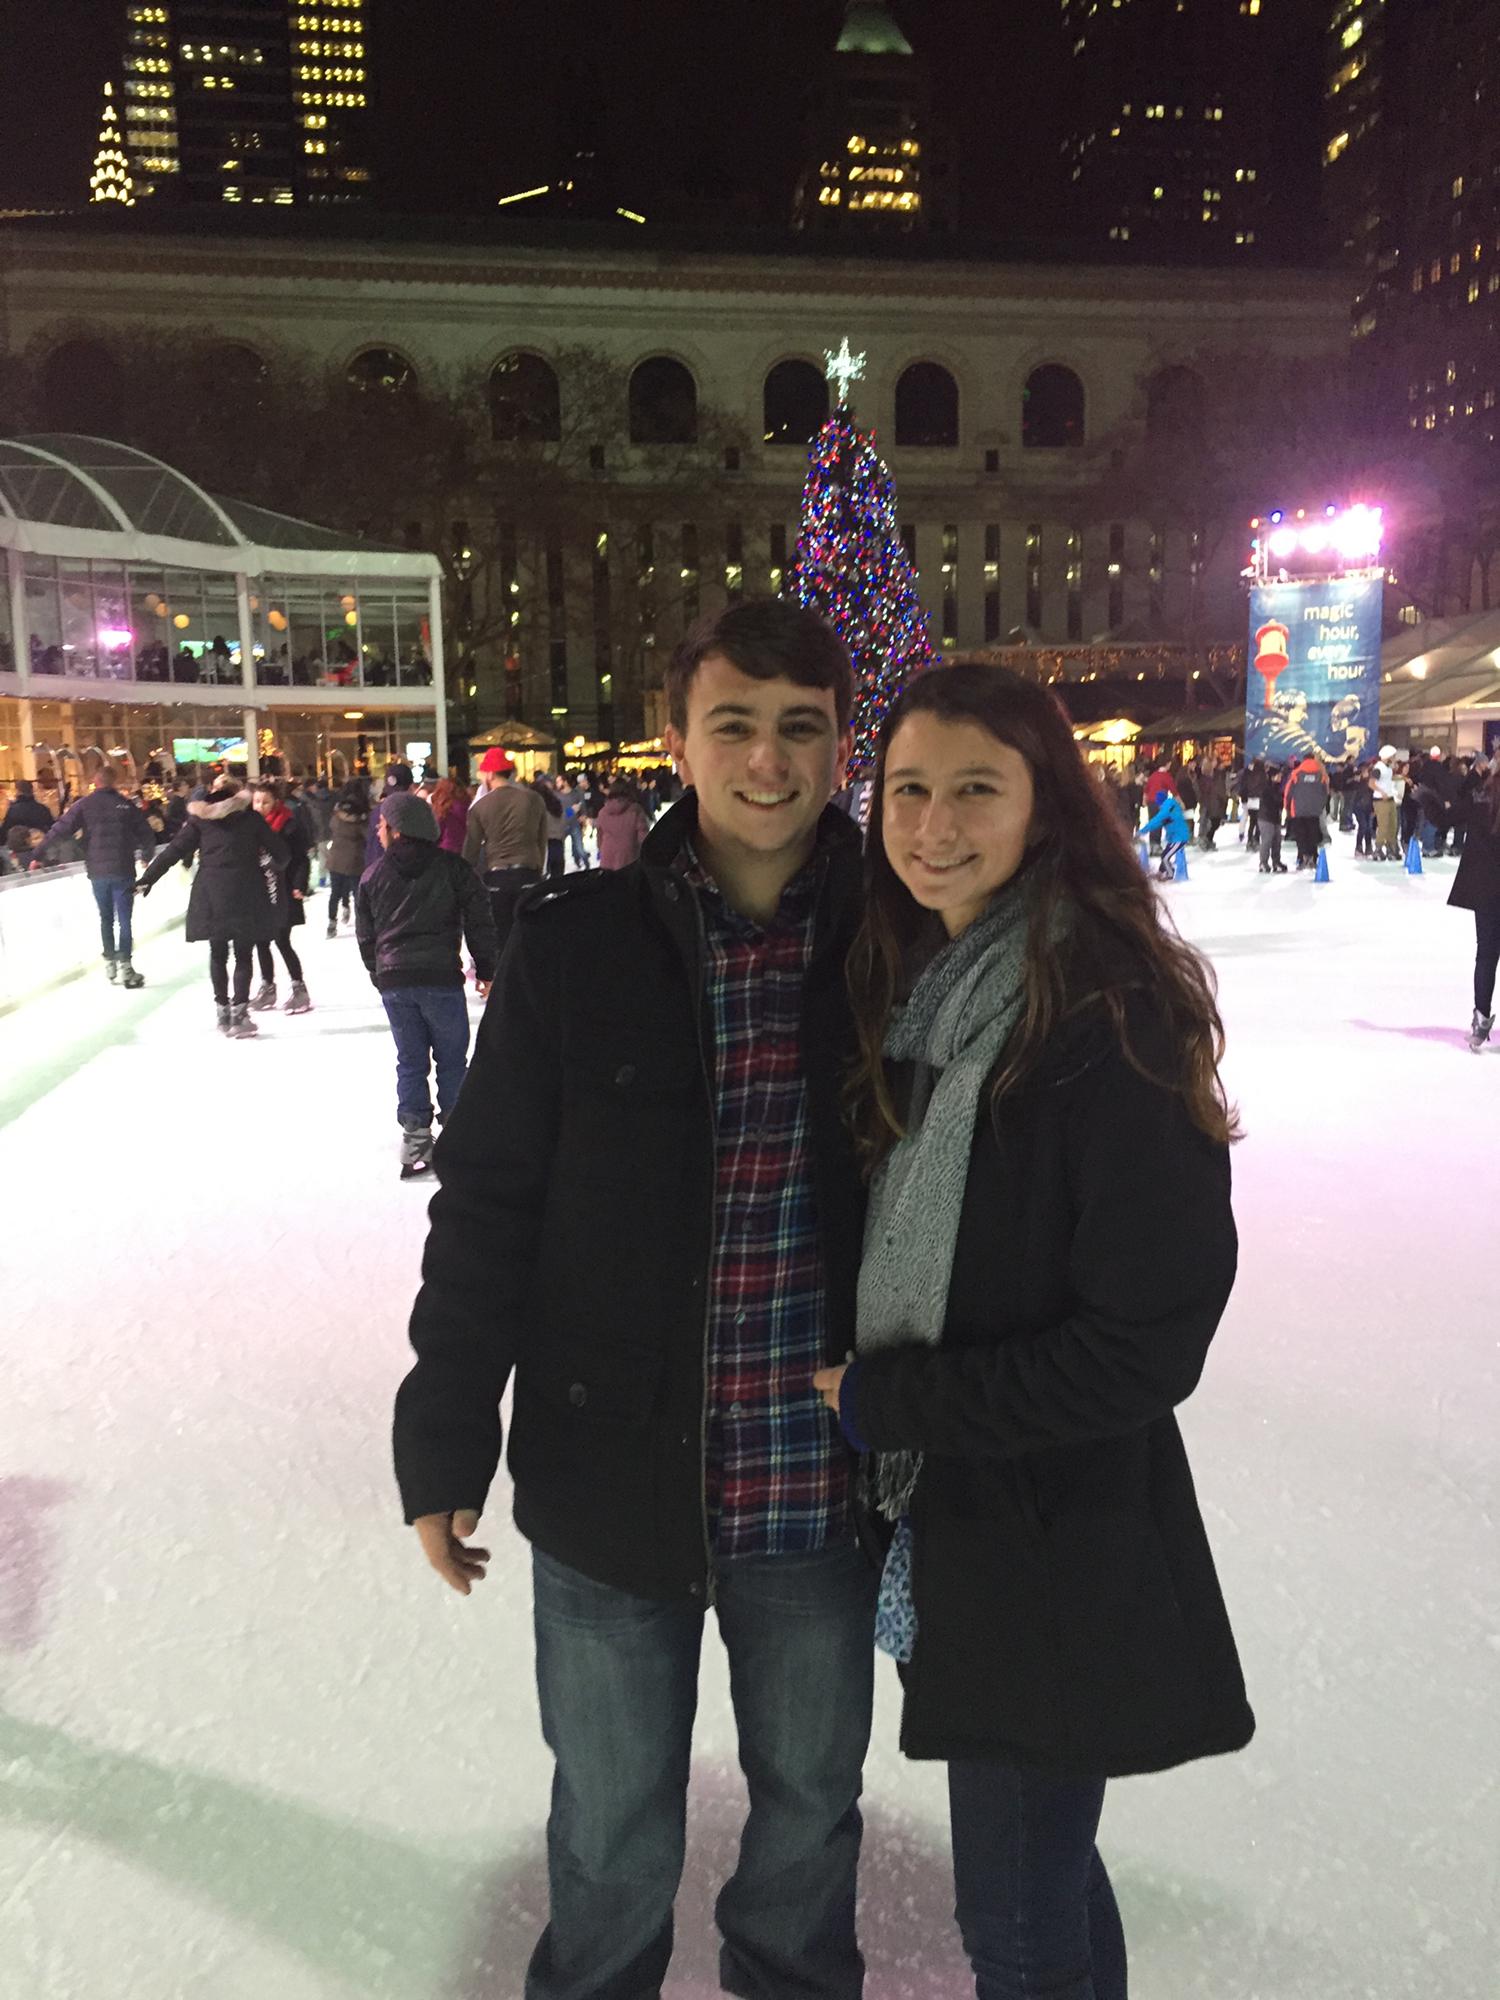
x,y
64,495
1443,664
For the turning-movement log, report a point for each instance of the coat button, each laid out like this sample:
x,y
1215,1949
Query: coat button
x,y
625,1075
578,1395
695,1590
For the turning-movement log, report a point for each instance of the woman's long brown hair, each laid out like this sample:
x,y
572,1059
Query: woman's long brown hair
x,y
1082,860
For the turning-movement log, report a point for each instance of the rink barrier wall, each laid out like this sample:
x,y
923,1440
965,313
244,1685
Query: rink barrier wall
x,y
49,928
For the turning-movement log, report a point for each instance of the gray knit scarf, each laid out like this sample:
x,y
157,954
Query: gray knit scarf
x,y
958,1019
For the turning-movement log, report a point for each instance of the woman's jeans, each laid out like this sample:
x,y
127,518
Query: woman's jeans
x,y
283,943
341,890
218,969
1486,957
1035,1907
618,1680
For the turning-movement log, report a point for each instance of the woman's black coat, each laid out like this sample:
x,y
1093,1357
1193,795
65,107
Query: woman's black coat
x,y
1476,886
232,895
295,872
1069,1617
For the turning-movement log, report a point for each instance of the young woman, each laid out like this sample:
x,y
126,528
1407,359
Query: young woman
x,y
450,808
1049,1249
346,850
230,903
622,825
1476,887
288,885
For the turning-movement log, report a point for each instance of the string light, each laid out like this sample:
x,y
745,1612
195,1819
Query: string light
x,y
852,567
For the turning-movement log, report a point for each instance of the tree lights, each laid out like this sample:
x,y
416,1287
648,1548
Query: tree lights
x,y
853,568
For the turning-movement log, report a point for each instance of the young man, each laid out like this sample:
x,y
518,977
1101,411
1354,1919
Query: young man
x,y
115,832
656,1097
412,911
506,839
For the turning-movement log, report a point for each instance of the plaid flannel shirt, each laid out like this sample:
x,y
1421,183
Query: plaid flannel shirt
x,y
777,1473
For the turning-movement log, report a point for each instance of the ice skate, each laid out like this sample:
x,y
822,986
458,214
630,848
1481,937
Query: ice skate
x,y
265,996
1278,868
111,967
129,977
333,927
416,1152
241,1027
1479,1031
221,1008
297,1000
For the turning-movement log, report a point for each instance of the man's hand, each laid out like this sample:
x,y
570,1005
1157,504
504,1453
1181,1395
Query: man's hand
x,y
443,1538
482,988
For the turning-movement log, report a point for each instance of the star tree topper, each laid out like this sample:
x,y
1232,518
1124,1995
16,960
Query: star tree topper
x,y
843,369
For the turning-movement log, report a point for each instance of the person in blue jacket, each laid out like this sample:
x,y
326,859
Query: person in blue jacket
x,y
1176,831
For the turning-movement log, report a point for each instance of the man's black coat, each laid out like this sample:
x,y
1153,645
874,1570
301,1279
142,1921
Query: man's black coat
x,y
572,1233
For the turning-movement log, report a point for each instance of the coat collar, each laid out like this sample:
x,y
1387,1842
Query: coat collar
x,y
237,802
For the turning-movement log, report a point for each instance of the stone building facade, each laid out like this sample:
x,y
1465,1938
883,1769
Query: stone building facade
x,y
998,394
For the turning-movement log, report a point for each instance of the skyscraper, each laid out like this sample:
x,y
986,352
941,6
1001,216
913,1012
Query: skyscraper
x,y
247,100
875,160
1411,177
110,180
1169,111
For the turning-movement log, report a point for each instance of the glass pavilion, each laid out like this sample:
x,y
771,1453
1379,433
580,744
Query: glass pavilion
x,y
147,618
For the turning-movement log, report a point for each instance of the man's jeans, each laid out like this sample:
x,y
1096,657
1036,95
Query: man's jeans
x,y
431,1024
1035,1907
617,1677
115,897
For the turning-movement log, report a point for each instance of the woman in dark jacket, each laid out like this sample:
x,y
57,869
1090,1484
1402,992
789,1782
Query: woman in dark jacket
x,y
289,891
346,850
1049,1249
1476,887
230,902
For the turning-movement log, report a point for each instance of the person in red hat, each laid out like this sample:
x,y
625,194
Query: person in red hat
x,y
506,839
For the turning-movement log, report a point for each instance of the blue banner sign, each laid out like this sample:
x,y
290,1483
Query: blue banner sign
x,y
1314,684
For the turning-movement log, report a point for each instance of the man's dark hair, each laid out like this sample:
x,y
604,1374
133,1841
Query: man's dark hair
x,y
769,639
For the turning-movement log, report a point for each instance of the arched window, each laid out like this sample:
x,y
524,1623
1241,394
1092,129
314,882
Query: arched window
x,y
1174,406
381,368
926,405
663,403
525,401
1052,408
795,402
82,389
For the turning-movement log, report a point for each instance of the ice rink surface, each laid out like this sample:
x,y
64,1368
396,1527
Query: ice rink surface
x,y
251,1749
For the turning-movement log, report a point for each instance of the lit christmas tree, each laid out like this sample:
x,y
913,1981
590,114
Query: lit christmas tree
x,y
853,567
110,180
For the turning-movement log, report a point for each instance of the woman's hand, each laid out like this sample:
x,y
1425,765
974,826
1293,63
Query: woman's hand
x,y
827,1382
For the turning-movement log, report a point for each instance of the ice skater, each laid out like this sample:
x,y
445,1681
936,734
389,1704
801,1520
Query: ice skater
x,y
346,850
1476,887
115,831
414,910
1175,828
290,891
230,905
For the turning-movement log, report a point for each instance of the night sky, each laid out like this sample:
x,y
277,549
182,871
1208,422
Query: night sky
x,y
698,103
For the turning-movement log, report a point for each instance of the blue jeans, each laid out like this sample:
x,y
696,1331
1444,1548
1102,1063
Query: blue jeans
x,y
115,897
617,1677
431,1025
341,895
1035,1907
